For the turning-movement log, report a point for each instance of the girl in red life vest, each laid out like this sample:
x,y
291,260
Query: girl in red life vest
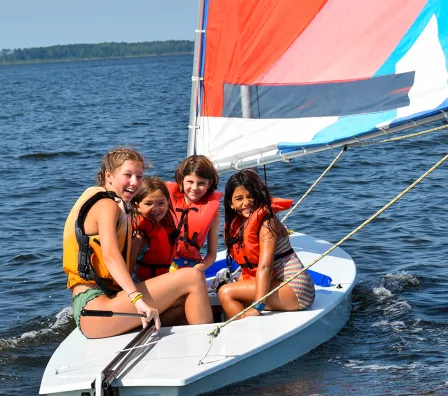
x,y
196,204
257,240
154,227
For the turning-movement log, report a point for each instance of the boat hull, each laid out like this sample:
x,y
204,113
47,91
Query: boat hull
x,y
243,348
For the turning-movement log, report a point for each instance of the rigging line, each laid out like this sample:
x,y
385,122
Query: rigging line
x,y
314,184
218,328
69,366
400,137
210,344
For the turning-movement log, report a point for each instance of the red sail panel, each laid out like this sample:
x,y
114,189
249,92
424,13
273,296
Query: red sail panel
x,y
347,40
245,38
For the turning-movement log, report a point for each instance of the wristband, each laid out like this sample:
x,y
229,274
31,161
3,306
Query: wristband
x,y
259,307
136,298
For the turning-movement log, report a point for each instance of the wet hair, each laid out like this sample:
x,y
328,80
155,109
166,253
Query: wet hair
x,y
201,166
149,185
253,184
114,159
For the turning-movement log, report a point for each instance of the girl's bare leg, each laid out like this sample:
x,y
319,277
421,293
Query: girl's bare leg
x,y
161,293
236,296
189,282
175,315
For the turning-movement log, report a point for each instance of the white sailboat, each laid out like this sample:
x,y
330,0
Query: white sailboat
x,y
169,364
273,81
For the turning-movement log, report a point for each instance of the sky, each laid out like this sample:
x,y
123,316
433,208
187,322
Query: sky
x,y
42,23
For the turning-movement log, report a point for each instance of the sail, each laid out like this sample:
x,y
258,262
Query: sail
x,y
288,76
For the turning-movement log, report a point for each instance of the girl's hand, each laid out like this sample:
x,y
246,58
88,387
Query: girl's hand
x,y
200,267
151,313
251,312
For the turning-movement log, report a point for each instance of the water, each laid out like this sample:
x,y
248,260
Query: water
x,y
58,120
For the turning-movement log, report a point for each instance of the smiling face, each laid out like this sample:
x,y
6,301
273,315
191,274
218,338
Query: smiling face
x,y
154,205
125,180
242,202
195,188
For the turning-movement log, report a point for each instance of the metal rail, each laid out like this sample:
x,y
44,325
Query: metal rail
x,y
195,80
120,362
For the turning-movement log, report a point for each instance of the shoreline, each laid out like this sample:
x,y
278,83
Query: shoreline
x,y
33,62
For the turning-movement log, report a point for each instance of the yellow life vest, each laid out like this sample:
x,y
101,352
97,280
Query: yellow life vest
x,y
82,256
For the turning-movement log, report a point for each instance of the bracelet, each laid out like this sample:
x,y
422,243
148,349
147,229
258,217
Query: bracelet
x,y
135,291
259,307
136,298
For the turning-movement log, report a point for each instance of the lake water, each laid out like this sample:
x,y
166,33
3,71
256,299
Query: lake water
x,y
58,120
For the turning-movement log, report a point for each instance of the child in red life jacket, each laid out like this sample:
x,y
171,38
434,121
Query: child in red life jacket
x,y
259,243
154,227
196,204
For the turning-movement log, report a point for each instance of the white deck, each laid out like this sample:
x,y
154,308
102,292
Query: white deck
x,y
242,349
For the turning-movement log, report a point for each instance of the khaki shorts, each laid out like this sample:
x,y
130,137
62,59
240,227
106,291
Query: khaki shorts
x,y
81,300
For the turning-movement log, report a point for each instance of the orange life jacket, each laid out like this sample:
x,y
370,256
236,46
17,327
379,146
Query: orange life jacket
x,y
194,221
160,250
247,253
83,260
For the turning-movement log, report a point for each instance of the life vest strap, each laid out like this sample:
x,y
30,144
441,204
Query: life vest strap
x,y
173,236
278,256
284,254
183,224
233,240
89,203
192,241
85,267
248,264
84,253
153,267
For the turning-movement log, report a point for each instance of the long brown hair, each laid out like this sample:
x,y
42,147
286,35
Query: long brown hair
x,y
149,185
253,184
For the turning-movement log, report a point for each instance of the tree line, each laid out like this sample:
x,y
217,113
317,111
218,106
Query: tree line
x,y
95,51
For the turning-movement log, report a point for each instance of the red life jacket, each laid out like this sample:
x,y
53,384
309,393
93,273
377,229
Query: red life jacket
x,y
161,248
194,221
247,254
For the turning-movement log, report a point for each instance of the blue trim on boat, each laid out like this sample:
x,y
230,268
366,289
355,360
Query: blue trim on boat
x,y
318,278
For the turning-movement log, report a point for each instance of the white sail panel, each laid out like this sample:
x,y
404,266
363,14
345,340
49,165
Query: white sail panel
x,y
231,139
430,87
